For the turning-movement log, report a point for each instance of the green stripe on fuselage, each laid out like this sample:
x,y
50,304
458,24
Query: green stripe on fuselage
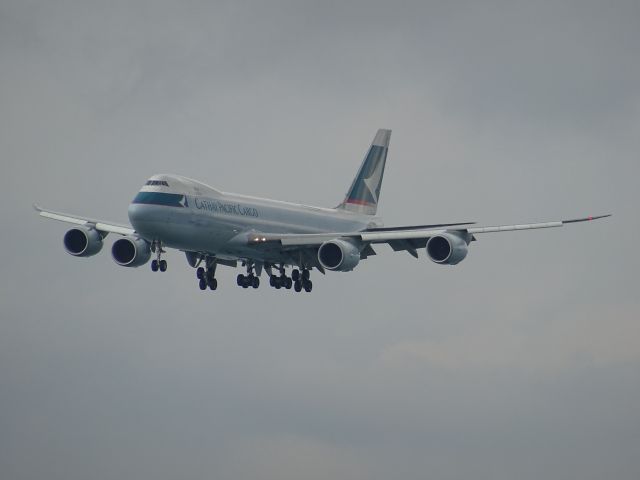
x,y
161,198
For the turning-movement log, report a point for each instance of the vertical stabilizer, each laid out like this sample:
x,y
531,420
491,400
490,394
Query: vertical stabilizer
x,y
364,193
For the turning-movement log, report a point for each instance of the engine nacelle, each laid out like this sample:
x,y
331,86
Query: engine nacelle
x,y
82,242
339,255
131,251
447,248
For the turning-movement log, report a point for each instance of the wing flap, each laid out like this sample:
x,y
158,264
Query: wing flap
x,y
408,239
404,245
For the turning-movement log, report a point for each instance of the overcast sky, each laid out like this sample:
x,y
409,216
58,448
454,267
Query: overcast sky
x,y
521,362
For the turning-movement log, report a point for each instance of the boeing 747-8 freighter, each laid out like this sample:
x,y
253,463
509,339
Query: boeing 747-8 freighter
x,y
216,228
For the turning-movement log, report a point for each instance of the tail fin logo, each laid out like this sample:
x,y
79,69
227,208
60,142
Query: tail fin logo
x,y
374,182
364,193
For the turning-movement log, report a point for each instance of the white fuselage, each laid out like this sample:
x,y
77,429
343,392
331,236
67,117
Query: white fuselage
x,y
191,216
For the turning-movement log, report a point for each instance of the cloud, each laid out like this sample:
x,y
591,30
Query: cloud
x,y
598,338
286,456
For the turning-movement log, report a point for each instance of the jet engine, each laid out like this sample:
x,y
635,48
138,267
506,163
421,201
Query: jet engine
x,y
340,255
131,251
447,248
82,242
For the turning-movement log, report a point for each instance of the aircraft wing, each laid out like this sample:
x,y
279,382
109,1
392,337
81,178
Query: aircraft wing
x,y
406,238
99,225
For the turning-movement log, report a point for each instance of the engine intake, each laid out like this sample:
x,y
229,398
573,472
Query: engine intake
x,y
339,255
447,248
82,242
131,251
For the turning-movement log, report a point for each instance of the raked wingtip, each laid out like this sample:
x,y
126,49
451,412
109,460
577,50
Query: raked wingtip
x,y
587,219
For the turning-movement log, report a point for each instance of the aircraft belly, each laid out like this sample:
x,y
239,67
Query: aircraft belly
x,y
181,229
196,233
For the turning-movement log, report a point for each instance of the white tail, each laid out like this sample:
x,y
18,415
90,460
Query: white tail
x,y
364,193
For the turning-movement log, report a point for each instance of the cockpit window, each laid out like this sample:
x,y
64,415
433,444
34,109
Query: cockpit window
x,y
157,183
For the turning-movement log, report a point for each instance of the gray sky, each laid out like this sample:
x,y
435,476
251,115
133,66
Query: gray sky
x,y
521,362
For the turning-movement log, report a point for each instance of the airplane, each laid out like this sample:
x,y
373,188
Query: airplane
x,y
217,228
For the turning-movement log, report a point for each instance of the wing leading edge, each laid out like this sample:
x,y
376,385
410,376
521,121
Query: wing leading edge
x,y
99,225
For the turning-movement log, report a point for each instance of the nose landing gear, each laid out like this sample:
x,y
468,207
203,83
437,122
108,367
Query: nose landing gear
x,y
157,263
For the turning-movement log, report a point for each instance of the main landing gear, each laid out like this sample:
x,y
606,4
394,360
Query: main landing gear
x,y
248,280
207,276
299,280
157,263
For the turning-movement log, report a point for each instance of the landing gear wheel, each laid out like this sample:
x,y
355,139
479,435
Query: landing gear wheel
x,y
288,283
154,265
308,286
297,286
163,265
295,275
200,273
272,281
277,283
213,283
305,274
255,283
202,284
244,281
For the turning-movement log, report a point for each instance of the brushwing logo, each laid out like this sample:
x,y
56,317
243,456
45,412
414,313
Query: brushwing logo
x,y
366,187
374,180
